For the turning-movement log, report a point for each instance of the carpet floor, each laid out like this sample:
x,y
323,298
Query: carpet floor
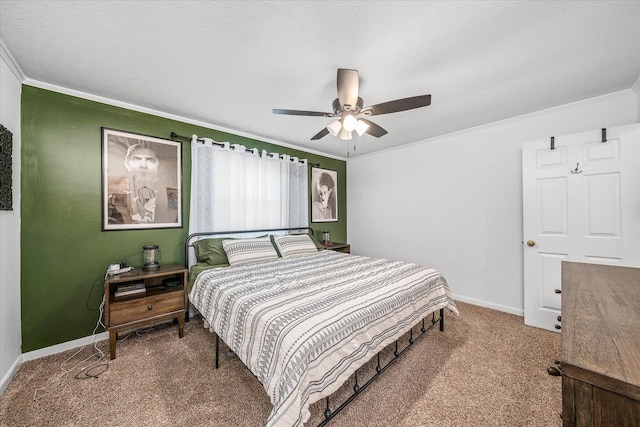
x,y
486,369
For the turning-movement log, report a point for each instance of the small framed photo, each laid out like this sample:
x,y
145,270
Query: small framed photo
x,y
324,200
141,181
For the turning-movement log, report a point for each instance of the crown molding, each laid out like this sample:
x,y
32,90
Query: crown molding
x,y
133,107
17,71
514,119
11,62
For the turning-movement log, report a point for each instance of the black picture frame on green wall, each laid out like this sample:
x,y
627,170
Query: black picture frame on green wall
x,y
6,169
141,181
324,200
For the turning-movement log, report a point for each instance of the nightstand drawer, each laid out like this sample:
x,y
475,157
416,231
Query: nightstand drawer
x,y
145,307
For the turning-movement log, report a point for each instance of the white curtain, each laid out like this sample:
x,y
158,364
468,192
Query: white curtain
x,y
233,188
295,191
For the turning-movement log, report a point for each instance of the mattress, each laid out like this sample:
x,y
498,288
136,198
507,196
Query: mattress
x,y
304,325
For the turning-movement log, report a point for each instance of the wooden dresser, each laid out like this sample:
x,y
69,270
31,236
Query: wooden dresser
x,y
600,345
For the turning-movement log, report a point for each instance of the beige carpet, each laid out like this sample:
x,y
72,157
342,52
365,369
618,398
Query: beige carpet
x,y
485,369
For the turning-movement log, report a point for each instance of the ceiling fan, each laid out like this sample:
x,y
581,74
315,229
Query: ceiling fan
x,y
348,106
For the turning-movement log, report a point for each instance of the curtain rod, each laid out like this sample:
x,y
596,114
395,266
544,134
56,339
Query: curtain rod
x,y
186,138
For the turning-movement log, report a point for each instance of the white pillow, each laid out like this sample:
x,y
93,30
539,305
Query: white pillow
x,y
249,251
295,245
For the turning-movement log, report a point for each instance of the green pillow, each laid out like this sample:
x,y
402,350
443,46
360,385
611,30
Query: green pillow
x,y
210,251
316,242
273,242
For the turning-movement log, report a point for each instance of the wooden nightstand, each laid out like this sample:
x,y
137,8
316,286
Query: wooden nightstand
x,y
164,298
339,247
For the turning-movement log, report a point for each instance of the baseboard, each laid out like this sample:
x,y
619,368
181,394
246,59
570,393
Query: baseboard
x,y
10,374
47,351
59,348
481,303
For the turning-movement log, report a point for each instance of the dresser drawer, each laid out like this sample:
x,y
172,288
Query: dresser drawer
x,y
142,308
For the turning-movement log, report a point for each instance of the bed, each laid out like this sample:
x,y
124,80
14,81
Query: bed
x,y
305,319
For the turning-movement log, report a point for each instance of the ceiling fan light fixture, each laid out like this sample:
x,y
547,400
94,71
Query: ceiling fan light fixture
x,y
348,106
345,134
361,127
335,127
349,122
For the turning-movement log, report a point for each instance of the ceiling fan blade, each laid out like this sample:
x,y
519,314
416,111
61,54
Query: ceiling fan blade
x,y
374,129
302,113
398,105
347,88
320,134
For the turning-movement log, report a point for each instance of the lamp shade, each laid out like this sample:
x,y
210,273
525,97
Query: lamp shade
x,y
349,122
334,127
151,257
361,127
345,134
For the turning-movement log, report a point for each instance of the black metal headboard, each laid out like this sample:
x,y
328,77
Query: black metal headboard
x,y
189,241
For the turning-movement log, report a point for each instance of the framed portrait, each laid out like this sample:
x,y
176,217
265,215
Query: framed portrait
x,y
324,199
141,181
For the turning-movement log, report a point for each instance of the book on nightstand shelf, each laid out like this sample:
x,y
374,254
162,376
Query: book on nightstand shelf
x,y
130,288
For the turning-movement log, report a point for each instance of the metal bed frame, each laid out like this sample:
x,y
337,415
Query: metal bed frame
x,y
357,388
192,238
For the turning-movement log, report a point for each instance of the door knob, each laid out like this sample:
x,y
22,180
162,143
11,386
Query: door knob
x,y
531,242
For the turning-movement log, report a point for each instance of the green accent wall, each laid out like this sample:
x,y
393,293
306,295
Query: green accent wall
x,y
64,252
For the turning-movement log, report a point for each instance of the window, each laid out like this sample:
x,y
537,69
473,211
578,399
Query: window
x,y
233,188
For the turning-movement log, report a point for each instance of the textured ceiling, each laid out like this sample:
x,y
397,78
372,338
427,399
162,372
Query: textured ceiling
x,y
229,63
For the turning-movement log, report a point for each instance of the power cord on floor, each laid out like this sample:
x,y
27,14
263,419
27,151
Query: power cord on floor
x,y
95,368
92,370
145,330
99,278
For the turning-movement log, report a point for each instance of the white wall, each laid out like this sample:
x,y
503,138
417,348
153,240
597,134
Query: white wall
x,y
636,88
455,202
10,333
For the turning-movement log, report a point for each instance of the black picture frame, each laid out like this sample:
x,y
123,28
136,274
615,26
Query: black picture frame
x,y
324,195
141,181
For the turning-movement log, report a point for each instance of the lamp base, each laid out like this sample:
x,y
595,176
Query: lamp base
x,y
151,266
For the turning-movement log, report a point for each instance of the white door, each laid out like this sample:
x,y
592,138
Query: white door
x,y
581,202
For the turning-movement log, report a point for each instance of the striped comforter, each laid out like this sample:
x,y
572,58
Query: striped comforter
x,y
304,325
